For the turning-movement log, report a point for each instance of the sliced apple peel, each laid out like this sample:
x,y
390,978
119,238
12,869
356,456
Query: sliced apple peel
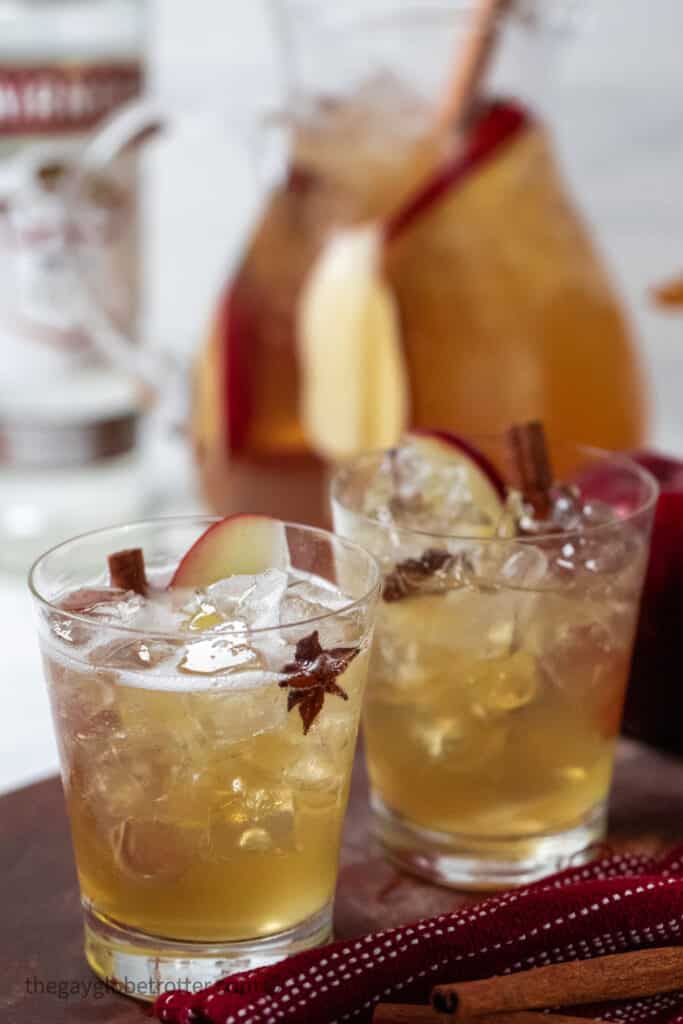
x,y
242,545
355,391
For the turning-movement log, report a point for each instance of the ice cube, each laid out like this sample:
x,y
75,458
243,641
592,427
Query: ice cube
x,y
316,781
120,611
224,655
506,565
410,492
226,716
253,601
134,654
69,632
310,606
502,685
459,624
578,650
84,702
338,734
461,744
308,598
506,583
156,850
597,513
255,840
154,614
254,819
566,507
111,785
272,807
612,553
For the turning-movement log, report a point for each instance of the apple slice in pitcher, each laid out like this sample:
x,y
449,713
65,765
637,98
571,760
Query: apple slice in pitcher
x,y
355,382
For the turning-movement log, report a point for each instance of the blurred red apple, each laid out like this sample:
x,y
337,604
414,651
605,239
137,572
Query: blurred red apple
x,y
654,707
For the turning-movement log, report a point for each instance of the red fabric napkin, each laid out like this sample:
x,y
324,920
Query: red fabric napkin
x,y
613,905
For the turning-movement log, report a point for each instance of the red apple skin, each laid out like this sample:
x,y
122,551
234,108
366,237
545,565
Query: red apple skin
x,y
240,326
654,706
498,125
468,449
219,552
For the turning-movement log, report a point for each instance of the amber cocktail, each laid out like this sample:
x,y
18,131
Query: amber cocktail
x,y
501,657
207,732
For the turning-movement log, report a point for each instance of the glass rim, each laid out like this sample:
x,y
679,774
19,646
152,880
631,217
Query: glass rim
x,y
199,519
549,14
603,455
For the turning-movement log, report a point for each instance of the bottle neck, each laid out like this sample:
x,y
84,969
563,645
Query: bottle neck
x,y
47,31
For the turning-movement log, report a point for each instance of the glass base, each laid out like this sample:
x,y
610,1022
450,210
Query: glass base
x,y
478,863
144,967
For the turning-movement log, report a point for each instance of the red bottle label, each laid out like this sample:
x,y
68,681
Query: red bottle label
x,y
63,98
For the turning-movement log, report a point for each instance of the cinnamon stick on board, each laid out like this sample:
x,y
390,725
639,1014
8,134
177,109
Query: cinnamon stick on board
x,y
647,972
127,571
397,1013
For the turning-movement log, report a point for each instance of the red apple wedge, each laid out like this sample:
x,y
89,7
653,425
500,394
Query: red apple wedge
x,y
485,483
243,545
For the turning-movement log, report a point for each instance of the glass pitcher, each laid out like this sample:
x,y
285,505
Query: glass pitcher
x,y
505,311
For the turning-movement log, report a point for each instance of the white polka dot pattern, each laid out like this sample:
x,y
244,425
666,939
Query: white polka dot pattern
x,y
621,903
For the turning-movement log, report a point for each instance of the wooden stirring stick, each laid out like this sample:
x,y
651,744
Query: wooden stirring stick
x,y
396,1013
471,63
647,972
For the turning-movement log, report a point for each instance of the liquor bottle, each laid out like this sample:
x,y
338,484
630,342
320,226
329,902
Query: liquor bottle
x,y
68,420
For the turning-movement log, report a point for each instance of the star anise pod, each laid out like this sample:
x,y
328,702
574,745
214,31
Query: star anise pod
x,y
313,674
409,575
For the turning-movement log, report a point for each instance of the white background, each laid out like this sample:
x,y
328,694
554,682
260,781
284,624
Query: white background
x,y
620,130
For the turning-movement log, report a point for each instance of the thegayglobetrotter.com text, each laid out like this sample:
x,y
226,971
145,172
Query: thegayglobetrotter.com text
x,y
65,988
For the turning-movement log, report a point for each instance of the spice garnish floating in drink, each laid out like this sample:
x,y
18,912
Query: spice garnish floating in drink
x,y
312,674
409,576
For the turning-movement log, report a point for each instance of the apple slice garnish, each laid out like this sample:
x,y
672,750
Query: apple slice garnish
x,y
242,545
485,483
355,383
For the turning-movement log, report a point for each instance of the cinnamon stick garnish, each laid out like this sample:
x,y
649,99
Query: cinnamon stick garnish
x,y
454,112
471,63
648,972
398,1013
127,571
534,471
